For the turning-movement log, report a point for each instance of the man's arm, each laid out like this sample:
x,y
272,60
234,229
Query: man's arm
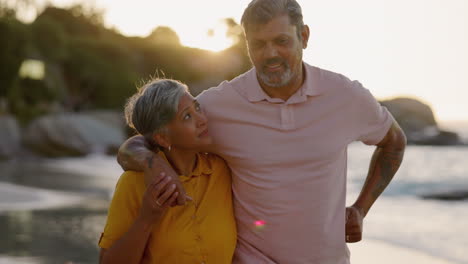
x,y
134,155
384,164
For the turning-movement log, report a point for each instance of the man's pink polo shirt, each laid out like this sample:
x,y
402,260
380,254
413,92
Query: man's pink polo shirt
x,y
288,162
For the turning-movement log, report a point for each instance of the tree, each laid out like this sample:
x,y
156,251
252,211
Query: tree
x,y
13,49
163,35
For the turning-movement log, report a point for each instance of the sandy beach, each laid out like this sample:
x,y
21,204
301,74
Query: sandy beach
x,y
372,251
16,198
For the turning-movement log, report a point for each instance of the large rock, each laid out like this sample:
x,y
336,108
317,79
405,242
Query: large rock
x,y
113,118
418,122
10,137
448,196
71,134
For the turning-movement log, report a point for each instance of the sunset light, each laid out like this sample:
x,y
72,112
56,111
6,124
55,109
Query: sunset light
x,y
394,48
233,131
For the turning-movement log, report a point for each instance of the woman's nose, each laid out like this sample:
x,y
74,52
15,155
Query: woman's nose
x,y
201,119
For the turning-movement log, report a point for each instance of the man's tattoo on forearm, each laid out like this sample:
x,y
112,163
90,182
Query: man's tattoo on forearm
x,y
388,164
150,161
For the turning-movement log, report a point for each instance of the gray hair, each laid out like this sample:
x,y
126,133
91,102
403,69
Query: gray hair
x,y
260,12
153,107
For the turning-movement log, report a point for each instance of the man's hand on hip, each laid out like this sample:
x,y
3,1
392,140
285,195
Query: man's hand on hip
x,y
354,221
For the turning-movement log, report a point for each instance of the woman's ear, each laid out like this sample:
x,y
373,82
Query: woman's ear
x,y
162,140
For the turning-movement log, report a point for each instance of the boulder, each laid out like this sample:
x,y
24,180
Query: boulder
x,y
10,137
448,196
72,134
418,122
113,118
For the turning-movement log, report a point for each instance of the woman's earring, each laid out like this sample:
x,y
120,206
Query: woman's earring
x,y
169,148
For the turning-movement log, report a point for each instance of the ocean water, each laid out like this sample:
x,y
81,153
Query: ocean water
x,y
400,216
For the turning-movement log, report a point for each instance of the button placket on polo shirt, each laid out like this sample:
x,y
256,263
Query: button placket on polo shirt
x,y
287,116
196,220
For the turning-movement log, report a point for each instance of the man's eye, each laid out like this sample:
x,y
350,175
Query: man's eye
x,y
198,108
257,45
282,41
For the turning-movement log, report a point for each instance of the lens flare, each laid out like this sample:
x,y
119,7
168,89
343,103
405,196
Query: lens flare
x,y
259,224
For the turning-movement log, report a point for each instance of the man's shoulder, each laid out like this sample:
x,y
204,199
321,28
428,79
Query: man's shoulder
x,y
325,76
331,82
226,88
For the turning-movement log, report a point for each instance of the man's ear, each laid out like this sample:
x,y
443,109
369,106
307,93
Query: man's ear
x,y
162,140
305,36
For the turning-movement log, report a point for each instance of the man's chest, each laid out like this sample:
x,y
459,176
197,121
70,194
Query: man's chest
x,y
279,135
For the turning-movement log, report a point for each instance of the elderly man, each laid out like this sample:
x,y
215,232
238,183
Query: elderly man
x,y
283,127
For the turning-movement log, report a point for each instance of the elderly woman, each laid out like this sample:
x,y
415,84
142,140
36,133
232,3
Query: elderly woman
x,y
141,226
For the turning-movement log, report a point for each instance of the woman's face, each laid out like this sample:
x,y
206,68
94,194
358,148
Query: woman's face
x,y
189,128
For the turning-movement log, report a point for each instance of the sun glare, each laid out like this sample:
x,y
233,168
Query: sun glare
x,y
213,39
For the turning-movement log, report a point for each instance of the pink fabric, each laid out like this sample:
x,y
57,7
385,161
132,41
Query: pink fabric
x,y
288,162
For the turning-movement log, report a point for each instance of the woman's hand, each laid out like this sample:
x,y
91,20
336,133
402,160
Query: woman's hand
x,y
158,197
134,155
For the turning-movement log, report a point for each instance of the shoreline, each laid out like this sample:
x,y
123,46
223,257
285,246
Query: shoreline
x,y
15,197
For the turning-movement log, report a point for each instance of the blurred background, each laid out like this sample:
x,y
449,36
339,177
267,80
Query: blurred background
x,y
67,67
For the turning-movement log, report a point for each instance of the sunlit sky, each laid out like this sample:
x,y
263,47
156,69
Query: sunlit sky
x,y
414,48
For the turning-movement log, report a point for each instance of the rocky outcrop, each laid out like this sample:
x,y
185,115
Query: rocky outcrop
x,y
71,134
448,196
112,118
418,122
10,137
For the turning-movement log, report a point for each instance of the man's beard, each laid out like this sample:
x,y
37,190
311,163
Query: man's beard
x,y
276,79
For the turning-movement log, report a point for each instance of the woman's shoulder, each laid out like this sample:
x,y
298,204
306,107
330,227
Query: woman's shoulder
x,y
130,179
213,161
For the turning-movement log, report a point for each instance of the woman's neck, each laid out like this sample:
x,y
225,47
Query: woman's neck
x,y
182,161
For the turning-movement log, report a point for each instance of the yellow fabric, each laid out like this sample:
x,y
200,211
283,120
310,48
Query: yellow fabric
x,y
203,231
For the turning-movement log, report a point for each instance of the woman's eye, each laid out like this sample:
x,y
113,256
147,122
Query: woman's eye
x,y
198,108
187,116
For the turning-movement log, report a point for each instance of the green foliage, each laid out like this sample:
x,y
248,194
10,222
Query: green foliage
x,y
99,74
49,38
30,98
74,21
13,48
164,36
88,66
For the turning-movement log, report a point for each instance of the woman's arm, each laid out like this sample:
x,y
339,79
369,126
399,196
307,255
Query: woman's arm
x,y
129,249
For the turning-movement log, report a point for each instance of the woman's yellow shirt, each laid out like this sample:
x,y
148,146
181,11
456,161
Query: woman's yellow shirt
x,y
203,231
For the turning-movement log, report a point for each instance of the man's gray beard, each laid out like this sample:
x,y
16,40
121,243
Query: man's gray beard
x,y
285,79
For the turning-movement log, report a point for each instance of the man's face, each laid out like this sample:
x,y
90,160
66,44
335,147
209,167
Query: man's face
x,y
276,51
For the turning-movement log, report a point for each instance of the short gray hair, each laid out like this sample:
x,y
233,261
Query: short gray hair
x,y
260,12
153,107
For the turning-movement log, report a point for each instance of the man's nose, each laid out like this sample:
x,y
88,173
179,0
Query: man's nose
x,y
270,51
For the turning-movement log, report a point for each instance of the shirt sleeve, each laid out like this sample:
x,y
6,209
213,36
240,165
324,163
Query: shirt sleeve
x,y
123,209
372,120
